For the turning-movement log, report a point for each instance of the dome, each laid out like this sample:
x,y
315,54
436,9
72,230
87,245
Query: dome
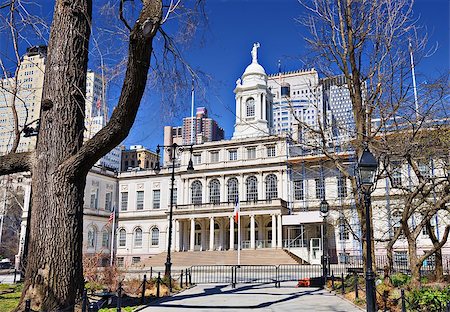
x,y
254,68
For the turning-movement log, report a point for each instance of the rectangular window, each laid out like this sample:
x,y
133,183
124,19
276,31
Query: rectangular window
x,y
342,187
174,202
197,159
108,201
251,153
232,155
299,190
120,262
156,199
320,188
105,239
424,170
124,201
94,199
344,257
135,260
396,174
344,233
271,151
215,157
401,258
139,200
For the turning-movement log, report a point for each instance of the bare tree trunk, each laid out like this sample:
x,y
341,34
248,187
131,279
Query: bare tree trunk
x,y
414,264
439,268
54,278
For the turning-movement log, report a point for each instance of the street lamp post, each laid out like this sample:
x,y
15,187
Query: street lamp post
x,y
367,167
173,149
324,209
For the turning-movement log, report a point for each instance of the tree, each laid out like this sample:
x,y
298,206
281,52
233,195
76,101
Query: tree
x,y
368,44
60,163
423,190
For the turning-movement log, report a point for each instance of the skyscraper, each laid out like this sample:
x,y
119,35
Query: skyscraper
x,y
24,93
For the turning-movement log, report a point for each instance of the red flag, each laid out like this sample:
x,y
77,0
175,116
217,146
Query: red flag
x,y
99,104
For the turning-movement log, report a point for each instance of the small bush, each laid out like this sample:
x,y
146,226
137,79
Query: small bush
x,y
400,279
428,299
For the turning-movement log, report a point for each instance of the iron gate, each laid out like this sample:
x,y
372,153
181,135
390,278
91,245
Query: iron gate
x,y
253,274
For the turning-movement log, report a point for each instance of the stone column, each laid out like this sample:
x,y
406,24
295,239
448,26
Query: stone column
x,y
192,242
261,184
252,232
221,236
176,236
223,190
279,232
231,233
274,232
211,233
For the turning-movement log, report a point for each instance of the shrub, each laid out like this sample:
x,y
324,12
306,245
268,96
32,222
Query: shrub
x,y
400,279
428,299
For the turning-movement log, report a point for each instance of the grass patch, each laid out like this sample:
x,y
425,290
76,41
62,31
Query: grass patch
x,y
9,296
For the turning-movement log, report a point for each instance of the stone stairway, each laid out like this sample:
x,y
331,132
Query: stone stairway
x,y
248,257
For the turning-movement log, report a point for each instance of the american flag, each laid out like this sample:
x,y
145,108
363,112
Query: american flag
x,y
111,217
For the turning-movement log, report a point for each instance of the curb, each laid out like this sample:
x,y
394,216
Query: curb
x,y
345,299
161,299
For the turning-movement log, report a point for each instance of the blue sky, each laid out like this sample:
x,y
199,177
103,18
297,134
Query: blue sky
x,y
234,26
224,52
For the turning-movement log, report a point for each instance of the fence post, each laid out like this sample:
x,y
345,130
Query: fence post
x,y
15,273
332,280
151,272
190,277
28,305
158,282
233,284
276,278
186,277
181,279
119,298
403,301
356,285
342,284
143,289
84,301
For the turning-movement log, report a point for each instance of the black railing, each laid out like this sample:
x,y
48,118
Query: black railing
x,y
253,274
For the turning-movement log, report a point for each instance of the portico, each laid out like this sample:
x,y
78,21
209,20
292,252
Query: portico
x,y
220,232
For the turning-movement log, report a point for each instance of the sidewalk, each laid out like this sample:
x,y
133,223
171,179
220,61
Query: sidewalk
x,y
256,297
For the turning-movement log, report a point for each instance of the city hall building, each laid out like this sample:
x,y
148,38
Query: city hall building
x,y
277,185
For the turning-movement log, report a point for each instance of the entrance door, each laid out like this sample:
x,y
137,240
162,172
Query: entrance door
x,y
316,249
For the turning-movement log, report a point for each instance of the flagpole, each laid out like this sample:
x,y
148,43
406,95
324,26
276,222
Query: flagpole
x,y
239,234
112,235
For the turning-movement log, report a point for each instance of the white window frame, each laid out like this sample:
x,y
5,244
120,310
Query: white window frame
x,y
140,200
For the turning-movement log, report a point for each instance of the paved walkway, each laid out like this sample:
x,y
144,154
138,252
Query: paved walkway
x,y
256,297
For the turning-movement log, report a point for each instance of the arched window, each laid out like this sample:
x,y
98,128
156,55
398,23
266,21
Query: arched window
x,y
196,192
138,238
122,238
252,188
105,238
214,191
155,236
271,186
233,191
250,106
91,237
